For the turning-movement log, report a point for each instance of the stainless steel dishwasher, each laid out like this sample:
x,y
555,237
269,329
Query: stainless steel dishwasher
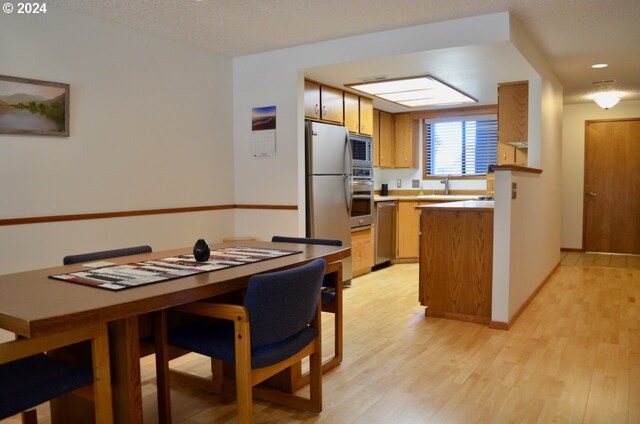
x,y
385,231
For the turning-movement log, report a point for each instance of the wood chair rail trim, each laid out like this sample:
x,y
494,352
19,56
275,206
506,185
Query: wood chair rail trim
x,y
143,212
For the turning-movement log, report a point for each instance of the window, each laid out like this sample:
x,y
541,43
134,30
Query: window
x,y
460,147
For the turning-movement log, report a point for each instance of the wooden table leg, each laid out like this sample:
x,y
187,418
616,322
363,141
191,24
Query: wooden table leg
x,y
125,371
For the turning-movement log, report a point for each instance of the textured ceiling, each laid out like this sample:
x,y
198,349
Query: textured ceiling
x,y
572,34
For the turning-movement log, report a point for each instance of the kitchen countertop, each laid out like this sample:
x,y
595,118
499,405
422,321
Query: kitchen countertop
x,y
429,197
466,205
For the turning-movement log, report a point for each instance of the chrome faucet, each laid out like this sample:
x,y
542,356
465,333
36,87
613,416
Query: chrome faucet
x,y
445,181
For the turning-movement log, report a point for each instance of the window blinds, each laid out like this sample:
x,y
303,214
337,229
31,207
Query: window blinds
x,y
463,147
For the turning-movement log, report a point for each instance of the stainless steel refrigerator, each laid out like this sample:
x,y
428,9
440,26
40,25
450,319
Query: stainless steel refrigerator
x,y
328,185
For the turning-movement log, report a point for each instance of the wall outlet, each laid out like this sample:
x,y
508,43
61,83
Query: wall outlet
x,y
415,183
514,190
398,183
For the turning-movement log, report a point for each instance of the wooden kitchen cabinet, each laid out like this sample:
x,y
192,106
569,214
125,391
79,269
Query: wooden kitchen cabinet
x,y
331,105
362,251
386,152
506,154
376,138
351,114
513,119
366,115
323,102
311,100
406,141
358,114
408,232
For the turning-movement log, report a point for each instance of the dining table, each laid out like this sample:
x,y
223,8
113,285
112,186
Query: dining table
x,y
32,304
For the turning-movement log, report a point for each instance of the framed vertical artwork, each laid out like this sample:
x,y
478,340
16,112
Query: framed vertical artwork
x,y
33,107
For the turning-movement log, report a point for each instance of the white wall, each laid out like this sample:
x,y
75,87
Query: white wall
x,y
276,78
527,230
150,128
573,142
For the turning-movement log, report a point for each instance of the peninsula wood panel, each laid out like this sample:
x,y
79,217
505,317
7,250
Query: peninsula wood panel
x,y
456,263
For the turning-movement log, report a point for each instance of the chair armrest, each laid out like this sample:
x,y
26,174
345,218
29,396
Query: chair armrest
x,y
215,310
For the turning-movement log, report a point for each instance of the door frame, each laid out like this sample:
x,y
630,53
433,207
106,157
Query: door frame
x,y
584,173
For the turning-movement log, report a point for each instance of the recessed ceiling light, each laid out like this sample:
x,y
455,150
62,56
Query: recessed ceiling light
x,y
414,91
599,65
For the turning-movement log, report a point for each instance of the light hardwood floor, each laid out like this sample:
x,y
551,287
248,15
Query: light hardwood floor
x,y
572,357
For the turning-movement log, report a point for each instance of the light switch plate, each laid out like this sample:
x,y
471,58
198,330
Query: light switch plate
x,y
399,183
415,183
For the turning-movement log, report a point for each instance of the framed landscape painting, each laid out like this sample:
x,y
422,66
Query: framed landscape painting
x,y
33,107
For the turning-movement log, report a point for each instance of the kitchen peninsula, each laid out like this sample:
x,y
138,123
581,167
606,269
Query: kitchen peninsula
x,y
456,255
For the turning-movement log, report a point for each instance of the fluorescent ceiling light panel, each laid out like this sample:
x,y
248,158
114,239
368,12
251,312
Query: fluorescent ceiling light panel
x,y
408,95
414,91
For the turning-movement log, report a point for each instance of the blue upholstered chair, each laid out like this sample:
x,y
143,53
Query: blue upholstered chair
x,y
29,377
105,254
277,327
331,295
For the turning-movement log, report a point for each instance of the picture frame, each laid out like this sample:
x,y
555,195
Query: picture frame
x,y
33,107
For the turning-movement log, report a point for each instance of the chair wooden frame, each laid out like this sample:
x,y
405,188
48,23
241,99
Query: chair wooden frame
x,y
300,380
97,334
246,378
335,307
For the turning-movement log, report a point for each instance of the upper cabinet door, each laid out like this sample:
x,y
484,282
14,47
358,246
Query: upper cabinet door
x,y
376,138
387,140
406,141
513,112
366,116
331,104
351,115
311,100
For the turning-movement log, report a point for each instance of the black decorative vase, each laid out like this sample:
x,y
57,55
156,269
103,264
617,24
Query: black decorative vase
x,y
201,250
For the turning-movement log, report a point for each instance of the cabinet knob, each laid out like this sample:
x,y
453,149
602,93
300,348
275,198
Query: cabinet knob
x,y
324,110
317,109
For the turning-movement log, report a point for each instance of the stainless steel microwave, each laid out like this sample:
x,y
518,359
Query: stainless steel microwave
x,y
361,150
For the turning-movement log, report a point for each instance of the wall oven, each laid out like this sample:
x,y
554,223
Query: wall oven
x,y
361,196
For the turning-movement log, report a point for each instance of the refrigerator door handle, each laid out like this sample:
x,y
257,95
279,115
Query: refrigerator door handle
x,y
349,161
348,193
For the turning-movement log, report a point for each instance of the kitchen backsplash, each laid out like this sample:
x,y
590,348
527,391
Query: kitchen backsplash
x,y
406,177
